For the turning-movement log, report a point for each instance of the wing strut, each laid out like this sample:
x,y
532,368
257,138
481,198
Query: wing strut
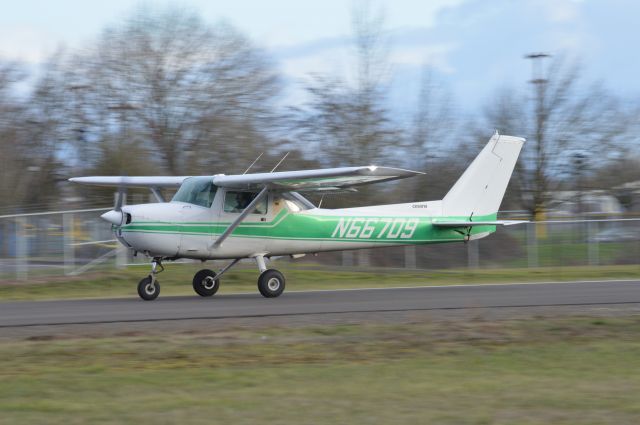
x,y
157,193
248,210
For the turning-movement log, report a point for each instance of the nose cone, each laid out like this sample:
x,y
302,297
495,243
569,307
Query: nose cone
x,y
113,217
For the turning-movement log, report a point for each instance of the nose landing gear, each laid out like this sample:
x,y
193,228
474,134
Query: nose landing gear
x,y
149,287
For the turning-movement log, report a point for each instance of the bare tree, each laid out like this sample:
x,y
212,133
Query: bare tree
x,y
11,161
433,124
349,123
185,95
430,135
28,139
567,116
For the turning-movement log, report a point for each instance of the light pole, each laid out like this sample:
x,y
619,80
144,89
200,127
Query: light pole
x,y
580,165
539,83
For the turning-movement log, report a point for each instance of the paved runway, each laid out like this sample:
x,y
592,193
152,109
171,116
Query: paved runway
x,y
465,297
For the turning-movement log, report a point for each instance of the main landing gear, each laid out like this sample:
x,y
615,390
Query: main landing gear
x,y
206,282
271,281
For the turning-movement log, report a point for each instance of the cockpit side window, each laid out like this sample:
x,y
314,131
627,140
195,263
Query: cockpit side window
x,y
196,190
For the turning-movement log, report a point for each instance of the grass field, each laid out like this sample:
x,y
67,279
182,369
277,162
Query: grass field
x,y
176,280
547,371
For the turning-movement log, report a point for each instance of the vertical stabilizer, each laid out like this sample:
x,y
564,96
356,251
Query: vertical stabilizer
x,y
480,189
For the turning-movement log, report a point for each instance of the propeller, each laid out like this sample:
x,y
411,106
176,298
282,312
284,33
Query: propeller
x,y
116,216
120,196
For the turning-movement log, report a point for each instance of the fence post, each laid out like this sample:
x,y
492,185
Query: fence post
x,y
473,254
532,245
347,258
592,243
364,258
410,257
22,266
68,240
122,254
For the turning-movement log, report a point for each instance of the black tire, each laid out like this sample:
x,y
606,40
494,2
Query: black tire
x,y
147,291
271,283
205,284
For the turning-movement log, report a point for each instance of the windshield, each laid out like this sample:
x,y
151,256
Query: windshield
x,y
196,190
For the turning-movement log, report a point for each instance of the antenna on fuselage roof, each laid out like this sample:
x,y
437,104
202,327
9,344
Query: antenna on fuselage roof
x,y
253,163
279,162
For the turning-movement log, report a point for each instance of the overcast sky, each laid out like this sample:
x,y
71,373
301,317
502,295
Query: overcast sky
x,y
473,45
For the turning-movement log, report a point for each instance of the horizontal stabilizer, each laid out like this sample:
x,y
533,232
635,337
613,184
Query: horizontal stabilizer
x,y
477,223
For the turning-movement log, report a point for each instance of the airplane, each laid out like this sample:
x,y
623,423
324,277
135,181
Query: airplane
x,y
264,215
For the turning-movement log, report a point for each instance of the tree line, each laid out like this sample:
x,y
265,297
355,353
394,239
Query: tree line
x,y
164,92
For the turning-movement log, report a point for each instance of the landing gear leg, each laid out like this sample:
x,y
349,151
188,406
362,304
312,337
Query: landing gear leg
x,y
149,287
271,282
207,282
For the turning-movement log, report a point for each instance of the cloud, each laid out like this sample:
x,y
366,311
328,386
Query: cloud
x,y
26,44
561,11
433,55
333,60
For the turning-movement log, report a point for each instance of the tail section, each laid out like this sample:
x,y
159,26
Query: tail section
x,y
480,189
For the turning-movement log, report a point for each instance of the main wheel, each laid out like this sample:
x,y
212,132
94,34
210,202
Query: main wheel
x,y
205,283
271,283
148,290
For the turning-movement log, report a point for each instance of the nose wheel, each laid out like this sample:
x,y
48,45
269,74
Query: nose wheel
x,y
149,287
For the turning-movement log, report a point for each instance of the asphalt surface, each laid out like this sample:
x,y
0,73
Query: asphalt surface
x,y
573,295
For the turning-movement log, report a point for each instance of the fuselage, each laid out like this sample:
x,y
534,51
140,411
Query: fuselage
x,y
185,230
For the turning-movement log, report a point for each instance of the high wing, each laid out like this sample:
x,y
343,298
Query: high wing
x,y
137,181
323,180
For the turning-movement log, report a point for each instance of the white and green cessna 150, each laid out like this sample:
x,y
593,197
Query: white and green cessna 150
x,y
263,215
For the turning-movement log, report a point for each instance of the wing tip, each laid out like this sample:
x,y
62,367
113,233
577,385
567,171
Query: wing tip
x,y
401,171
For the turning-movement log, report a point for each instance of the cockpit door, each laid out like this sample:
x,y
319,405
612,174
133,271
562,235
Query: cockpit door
x,y
198,215
249,236
195,231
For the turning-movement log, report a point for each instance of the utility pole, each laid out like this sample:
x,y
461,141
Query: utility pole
x,y
580,165
539,84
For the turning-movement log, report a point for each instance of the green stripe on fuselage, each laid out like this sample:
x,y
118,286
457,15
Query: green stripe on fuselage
x,y
302,226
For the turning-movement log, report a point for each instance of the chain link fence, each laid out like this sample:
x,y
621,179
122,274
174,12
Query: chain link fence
x,y
72,242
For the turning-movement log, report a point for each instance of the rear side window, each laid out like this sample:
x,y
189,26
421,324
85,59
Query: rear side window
x,y
237,201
